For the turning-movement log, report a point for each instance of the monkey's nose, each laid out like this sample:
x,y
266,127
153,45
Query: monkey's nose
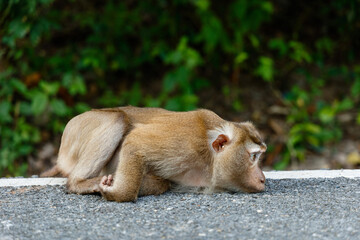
x,y
262,180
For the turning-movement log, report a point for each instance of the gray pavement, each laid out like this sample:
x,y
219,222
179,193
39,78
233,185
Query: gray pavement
x,y
288,209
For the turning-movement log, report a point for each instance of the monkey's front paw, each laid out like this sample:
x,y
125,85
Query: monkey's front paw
x,y
106,182
116,193
107,188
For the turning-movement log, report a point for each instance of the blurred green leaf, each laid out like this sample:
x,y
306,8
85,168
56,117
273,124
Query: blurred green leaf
x,y
299,53
178,77
237,105
135,95
254,41
241,57
49,88
312,128
327,114
152,102
211,33
82,107
184,54
226,90
74,83
173,104
295,137
59,107
265,68
170,82
325,44
345,104
17,29
202,4
189,102
18,85
267,6
26,109
5,108
355,89
39,103
278,44
313,140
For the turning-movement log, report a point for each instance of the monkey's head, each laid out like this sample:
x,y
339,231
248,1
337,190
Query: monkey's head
x,y
237,148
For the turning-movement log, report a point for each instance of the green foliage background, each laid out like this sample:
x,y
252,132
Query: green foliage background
x,y
60,58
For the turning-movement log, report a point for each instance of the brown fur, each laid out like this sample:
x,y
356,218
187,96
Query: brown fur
x,y
147,149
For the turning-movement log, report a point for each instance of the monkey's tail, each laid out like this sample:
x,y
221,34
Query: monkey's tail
x,y
52,172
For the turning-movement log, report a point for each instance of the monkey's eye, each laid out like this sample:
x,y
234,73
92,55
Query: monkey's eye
x,y
255,156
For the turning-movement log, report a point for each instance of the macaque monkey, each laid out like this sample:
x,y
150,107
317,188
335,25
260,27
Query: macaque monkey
x,y
127,152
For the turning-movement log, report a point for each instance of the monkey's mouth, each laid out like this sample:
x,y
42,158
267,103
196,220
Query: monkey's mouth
x,y
246,189
253,187
256,189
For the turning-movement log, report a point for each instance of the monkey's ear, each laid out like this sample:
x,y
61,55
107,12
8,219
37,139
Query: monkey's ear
x,y
220,142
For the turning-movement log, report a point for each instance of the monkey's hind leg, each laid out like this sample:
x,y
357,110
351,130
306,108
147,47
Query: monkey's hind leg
x,y
89,143
84,186
85,179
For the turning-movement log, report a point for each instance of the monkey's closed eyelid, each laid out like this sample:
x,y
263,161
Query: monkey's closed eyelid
x,y
253,156
255,153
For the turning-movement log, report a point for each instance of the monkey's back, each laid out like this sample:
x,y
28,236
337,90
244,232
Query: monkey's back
x,y
163,137
170,140
150,115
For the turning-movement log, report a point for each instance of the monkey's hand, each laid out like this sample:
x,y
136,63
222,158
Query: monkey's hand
x,y
106,187
112,192
106,182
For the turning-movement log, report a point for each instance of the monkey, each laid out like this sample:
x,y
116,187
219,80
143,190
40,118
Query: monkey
x,y
126,152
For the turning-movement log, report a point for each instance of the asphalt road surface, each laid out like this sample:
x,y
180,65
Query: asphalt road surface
x,y
288,209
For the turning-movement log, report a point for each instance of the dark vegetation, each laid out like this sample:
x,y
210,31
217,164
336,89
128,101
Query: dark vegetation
x,y
291,67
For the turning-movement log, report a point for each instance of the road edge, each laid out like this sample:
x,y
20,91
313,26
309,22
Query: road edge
x,y
303,174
